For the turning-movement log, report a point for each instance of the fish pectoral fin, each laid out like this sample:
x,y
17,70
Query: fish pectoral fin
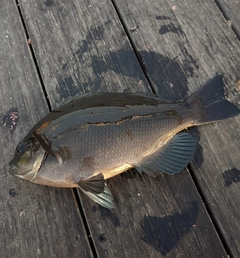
x,y
47,146
94,184
104,199
172,157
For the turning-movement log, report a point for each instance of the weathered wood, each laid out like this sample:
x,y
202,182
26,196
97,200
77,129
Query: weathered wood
x,y
154,217
81,46
195,35
231,10
35,221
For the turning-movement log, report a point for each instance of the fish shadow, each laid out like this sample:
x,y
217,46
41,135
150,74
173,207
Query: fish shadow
x,y
106,213
167,76
164,233
168,79
198,154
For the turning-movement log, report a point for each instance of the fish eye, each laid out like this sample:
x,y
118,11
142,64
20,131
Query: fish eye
x,y
25,145
21,147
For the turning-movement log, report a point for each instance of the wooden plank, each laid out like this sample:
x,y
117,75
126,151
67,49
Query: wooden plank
x,y
154,217
230,10
81,46
217,160
77,48
35,221
191,42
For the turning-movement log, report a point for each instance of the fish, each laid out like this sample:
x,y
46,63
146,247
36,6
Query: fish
x,y
96,136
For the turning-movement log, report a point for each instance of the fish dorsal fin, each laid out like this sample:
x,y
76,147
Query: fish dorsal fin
x,y
104,198
70,99
103,99
94,184
172,157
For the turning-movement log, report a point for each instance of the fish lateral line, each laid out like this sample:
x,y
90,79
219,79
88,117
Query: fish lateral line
x,y
84,126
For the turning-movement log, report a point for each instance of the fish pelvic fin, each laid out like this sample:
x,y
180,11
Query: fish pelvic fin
x,y
172,158
94,184
209,103
104,199
96,189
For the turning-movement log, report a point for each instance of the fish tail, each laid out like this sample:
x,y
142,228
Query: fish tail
x,y
209,103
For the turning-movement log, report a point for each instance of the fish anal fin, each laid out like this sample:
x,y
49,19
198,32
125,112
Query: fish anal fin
x,y
104,199
94,184
172,158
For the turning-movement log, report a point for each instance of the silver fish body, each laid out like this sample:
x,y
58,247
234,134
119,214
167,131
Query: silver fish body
x,y
98,136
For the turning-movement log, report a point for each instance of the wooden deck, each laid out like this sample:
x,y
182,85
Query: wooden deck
x,y
52,49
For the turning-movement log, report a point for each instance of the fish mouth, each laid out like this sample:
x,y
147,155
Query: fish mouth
x,y
29,172
14,171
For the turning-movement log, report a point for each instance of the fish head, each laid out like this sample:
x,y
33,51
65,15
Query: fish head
x,y
27,159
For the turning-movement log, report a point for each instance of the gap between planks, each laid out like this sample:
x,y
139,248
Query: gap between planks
x,y
209,212
75,192
201,194
228,18
153,88
33,57
76,195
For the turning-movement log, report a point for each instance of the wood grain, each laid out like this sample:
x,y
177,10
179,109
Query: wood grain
x,y
82,46
35,221
196,36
